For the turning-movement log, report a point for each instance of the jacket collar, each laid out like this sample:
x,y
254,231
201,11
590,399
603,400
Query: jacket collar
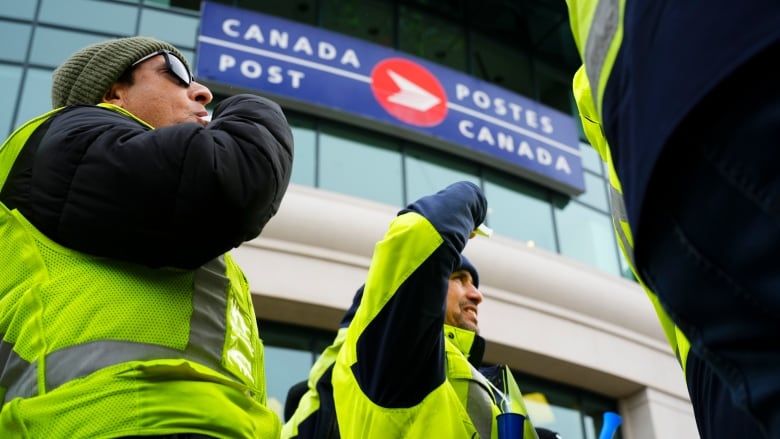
x,y
121,110
468,342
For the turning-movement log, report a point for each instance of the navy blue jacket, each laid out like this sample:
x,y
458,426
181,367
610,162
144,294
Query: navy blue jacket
x,y
672,54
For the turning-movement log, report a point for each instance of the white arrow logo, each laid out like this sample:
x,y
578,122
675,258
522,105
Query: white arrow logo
x,y
411,94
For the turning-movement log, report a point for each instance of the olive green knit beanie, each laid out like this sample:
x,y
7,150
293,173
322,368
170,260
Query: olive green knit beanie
x,y
88,74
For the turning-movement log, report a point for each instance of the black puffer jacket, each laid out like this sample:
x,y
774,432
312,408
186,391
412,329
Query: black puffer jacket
x,y
99,182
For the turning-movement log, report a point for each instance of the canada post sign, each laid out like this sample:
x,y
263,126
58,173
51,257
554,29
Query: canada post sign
x,y
308,64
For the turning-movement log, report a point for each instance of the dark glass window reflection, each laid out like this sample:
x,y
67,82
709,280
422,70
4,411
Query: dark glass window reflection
x,y
501,64
303,11
432,38
553,87
571,412
370,20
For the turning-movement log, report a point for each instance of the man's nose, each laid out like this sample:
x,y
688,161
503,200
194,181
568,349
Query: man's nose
x,y
475,295
200,93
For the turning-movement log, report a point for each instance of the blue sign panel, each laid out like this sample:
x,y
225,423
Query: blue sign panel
x,y
309,64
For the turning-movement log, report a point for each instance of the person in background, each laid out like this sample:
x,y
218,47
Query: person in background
x,y
309,408
409,363
122,313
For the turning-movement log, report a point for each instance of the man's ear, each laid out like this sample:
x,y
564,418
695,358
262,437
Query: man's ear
x,y
115,94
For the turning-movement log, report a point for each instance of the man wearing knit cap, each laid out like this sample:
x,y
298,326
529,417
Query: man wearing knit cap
x,y
309,408
122,313
406,362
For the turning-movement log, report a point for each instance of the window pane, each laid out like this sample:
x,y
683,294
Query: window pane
x,y
519,211
283,368
587,236
304,152
595,194
428,172
625,269
91,15
591,160
18,9
9,87
553,407
365,19
36,98
360,165
566,420
177,29
20,35
51,47
432,38
290,352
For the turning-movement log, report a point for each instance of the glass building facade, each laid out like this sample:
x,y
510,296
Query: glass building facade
x,y
334,156
522,46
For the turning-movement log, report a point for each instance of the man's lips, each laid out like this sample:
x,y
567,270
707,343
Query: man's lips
x,y
204,116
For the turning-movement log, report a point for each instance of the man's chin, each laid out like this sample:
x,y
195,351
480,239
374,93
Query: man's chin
x,y
470,326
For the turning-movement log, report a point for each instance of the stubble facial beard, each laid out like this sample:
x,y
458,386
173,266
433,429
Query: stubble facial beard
x,y
464,324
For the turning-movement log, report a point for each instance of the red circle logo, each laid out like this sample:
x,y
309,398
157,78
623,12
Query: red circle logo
x,y
409,92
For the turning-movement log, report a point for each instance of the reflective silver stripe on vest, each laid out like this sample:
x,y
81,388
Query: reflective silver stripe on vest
x,y
206,340
16,372
603,28
619,214
480,403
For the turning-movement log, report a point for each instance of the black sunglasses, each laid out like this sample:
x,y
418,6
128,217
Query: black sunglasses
x,y
175,66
